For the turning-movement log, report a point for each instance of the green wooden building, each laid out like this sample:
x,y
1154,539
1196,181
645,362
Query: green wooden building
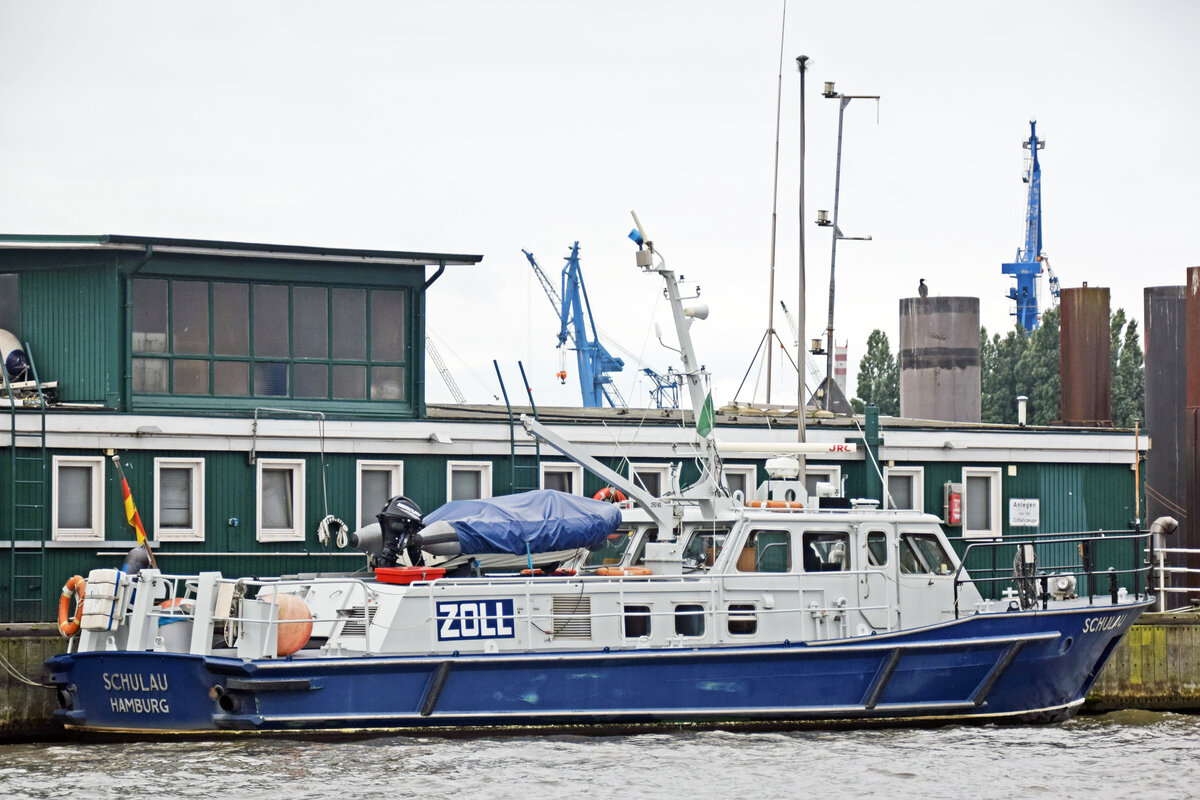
x,y
251,390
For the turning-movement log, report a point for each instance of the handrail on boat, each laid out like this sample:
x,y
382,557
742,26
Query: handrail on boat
x,y
1141,543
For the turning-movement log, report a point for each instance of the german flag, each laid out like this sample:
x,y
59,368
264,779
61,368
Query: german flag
x,y
131,512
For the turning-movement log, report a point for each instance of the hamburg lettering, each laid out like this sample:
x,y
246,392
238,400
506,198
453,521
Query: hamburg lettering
x,y
139,705
1098,624
481,619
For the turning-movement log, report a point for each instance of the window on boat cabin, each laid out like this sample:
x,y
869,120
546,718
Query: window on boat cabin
x,y
703,547
766,551
613,548
468,480
78,498
877,554
179,499
280,488
906,487
741,478
689,619
378,482
639,555
742,619
981,503
826,551
651,477
562,477
822,473
637,621
236,339
922,553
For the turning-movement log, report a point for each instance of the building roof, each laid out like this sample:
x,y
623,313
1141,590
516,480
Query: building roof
x,y
231,249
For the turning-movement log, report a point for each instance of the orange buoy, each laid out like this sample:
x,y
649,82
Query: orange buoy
x,y
610,495
775,504
295,624
614,571
75,587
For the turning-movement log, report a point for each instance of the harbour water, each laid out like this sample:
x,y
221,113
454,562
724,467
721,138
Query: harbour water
x,y
1123,754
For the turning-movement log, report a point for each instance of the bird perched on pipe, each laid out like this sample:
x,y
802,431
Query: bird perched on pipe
x,y
922,289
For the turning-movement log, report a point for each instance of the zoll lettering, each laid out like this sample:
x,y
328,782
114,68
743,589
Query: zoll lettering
x,y
481,619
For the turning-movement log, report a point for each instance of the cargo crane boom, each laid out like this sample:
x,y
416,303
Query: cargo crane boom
x,y
1028,265
451,384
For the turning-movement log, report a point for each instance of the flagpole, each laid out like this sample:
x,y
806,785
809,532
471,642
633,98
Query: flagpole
x,y
131,512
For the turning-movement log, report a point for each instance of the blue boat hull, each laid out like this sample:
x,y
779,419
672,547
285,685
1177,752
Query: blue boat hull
x,y
1032,666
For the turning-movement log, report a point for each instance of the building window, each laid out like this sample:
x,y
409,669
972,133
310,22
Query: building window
x,y
78,501
742,478
179,499
906,486
563,478
651,477
280,500
468,480
981,503
822,473
378,482
227,339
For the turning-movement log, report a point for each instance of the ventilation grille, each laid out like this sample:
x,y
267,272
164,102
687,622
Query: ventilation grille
x,y
572,617
356,620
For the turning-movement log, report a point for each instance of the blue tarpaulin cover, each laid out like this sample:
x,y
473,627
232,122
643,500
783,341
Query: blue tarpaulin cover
x,y
547,520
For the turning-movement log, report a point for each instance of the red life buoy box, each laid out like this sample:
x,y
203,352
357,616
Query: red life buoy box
x,y
408,574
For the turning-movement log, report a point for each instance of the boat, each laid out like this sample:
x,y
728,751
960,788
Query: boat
x,y
700,607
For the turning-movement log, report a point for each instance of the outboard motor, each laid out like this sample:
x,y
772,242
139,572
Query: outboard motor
x,y
399,523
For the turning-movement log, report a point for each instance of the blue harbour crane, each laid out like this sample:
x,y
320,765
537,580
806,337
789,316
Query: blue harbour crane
x,y
1028,265
575,314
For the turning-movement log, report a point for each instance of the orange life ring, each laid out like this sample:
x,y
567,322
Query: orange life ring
x,y
609,495
775,504
75,587
612,571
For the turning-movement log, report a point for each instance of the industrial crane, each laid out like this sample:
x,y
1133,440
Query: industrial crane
x,y
1028,265
815,376
576,322
665,392
451,384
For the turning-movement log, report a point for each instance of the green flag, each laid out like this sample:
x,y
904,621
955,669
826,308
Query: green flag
x,y
704,420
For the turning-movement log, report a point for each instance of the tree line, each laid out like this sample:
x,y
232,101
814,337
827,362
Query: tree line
x,y
1017,364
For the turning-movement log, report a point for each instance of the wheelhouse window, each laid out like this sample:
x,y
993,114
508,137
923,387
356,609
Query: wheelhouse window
x,y
922,553
280,488
468,480
78,501
563,478
826,551
877,554
231,339
179,499
613,549
906,487
378,482
981,505
703,547
766,551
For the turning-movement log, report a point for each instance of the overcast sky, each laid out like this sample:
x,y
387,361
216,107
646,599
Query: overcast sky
x,y
488,127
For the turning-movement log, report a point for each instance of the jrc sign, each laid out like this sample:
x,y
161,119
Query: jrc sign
x,y
475,619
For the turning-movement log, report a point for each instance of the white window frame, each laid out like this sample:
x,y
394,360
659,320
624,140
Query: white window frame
x,y
918,483
662,470
96,531
396,468
296,532
575,470
196,532
832,471
750,472
995,530
484,468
